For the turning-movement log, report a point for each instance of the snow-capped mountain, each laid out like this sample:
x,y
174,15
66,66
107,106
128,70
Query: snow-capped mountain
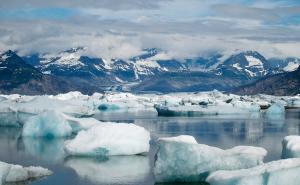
x,y
153,69
282,84
73,62
287,64
70,62
249,65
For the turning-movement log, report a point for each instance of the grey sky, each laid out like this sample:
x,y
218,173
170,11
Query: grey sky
x,y
121,28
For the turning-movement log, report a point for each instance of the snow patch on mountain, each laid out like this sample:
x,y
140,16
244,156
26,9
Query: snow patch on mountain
x,y
291,66
253,61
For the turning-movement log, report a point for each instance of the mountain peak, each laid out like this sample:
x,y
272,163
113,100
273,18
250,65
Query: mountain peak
x,y
8,54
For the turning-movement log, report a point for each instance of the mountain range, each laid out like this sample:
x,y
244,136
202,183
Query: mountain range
x,y
152,70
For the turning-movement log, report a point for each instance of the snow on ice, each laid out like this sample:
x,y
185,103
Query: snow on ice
x,y
10,173
110,139
291,147
279,172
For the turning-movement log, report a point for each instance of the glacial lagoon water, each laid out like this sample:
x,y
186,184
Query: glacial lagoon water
x,y
221,131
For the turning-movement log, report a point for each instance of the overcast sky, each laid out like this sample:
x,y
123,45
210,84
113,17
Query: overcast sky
x,y
121,28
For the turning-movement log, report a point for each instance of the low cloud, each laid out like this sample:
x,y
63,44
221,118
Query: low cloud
x,y
121,29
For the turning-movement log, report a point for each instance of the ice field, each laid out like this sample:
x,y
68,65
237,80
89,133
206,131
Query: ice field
x,y
148,138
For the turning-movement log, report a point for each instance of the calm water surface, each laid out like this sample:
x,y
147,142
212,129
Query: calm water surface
x,y
220,131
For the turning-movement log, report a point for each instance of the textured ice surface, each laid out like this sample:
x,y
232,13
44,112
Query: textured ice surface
x,y
77,104
291,147
181,159
115,170
275,109
216,109
49,124
110,139
282,172
4,170
276,112
55,124
15,173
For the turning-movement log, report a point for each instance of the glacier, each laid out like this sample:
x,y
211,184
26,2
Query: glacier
x,y
10,173
291,147
286,171
114,170
110,139
182,159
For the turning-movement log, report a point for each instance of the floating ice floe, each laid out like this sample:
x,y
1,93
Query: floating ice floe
x,y
34,105
182,159
110,139
207,109
276,112
77,105
114,170
124,101
49,124
282,172
55,124
291,147
10,173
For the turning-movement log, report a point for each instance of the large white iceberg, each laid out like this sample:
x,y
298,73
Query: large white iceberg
x,y
55,124
15,173
291,147
110,139
282,172
183,159
116,170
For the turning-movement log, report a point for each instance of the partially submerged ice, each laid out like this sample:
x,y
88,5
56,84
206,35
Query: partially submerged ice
x,y
207,108
282,172
52,124
182,159
275,109
10,173
49,124
110,139
118,170
291,147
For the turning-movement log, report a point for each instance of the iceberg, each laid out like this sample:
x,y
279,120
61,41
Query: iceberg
x,y
114,170
207,109
291,147
4,170
110,139
10,173
9,119
52,124
279,172
49,124
275,109
182,159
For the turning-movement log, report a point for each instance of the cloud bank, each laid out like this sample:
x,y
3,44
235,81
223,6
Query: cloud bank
x,y
122,28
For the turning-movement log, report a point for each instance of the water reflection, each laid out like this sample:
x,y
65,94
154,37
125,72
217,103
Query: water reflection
x,y
49,150
115,170
221,131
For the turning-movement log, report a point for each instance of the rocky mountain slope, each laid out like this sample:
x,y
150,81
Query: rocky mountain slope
x,y
280,84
